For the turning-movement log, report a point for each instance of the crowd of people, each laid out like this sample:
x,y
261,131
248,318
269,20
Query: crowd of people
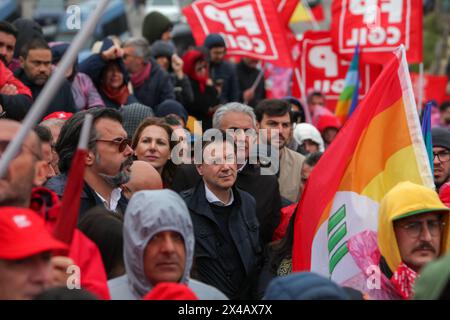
x,y
156,221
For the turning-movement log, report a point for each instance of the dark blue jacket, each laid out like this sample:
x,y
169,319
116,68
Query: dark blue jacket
x,y
62,101
89,198
226,71
156,89
212,264
93,67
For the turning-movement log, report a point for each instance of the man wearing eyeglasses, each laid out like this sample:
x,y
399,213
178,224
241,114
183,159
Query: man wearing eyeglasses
x,y
413,230
107,164
441,155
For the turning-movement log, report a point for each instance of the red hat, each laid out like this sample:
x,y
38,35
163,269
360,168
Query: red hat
x,y
170,291
23,234
328,121
444,194
59,115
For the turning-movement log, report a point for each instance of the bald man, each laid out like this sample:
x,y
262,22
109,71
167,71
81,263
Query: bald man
x,y
143,177
24,171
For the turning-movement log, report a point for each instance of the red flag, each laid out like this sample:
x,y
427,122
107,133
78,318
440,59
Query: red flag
x,y
285,9
67,220
434,87
379,27
320,69
250,28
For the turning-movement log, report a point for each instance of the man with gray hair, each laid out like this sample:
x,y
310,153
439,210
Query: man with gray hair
x,y
151,84
264,188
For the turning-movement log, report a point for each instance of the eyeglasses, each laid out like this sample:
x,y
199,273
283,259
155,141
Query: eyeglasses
x,y
415,229
4,144
442,156
122,143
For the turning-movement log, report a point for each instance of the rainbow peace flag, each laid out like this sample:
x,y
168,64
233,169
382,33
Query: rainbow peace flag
x,y
426,132
348,100
380,146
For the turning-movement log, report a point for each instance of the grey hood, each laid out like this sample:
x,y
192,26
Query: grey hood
x,y
148,213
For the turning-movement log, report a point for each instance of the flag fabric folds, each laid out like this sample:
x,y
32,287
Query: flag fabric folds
x,y
426,132
378,147
348,100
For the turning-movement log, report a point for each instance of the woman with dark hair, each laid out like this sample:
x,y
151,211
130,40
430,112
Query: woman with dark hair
x,y
107,71
105,230
152,142
206,96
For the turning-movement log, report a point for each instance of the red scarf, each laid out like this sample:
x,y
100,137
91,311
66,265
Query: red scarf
x,y
139,78
118,96
190,58
403,280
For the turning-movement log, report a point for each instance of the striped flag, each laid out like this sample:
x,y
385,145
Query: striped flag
x,y
348,100
426,132
380,146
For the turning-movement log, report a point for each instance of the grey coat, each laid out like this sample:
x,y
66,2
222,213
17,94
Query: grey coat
x,y
148,213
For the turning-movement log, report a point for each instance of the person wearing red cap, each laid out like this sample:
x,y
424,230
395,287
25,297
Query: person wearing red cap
x,y
25,253
328,125
170,291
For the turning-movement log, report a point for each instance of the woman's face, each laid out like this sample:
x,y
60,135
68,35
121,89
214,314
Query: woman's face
x,y
163,62
154,147
113,78
201,68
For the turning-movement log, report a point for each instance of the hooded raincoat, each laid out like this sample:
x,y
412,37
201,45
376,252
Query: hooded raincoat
x,y
148,213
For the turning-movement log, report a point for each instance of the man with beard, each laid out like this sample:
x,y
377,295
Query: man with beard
x,y
36,68
441,156
107,164
274,125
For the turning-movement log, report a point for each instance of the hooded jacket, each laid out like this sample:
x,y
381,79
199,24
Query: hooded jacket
x,y
404,200
305,131
148,213
94,66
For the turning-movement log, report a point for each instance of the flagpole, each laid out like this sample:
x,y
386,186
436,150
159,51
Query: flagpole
x,y
303,93
420,93
311,15
51,87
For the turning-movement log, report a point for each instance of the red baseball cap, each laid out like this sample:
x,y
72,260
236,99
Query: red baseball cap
x,y
58,115
23,234
170,291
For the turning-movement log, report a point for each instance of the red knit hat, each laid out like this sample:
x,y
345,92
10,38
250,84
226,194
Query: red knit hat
x,y
328,121
170,291
23,234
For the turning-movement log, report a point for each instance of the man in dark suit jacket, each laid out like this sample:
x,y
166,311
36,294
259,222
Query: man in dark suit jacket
x,y
264,188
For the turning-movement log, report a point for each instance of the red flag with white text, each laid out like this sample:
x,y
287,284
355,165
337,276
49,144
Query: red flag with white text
x,y
250,28
379,26
319,68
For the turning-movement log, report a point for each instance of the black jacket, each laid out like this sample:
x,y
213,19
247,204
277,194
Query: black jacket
x,y
156,88
247,77
89,198
264,188
202,102
211,263
226,71
62,101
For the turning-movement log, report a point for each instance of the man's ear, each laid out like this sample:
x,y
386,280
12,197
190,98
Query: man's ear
x,y
40,173
90,159
22,61
199,168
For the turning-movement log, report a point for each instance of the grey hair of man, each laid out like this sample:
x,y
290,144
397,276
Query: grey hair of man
x,y
53,122
140,45
232,107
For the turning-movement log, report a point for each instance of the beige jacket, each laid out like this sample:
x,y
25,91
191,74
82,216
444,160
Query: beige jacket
x,y
290,166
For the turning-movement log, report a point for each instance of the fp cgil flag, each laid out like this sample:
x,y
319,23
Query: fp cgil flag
x,y
379,146
379,26
319,68
250,28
